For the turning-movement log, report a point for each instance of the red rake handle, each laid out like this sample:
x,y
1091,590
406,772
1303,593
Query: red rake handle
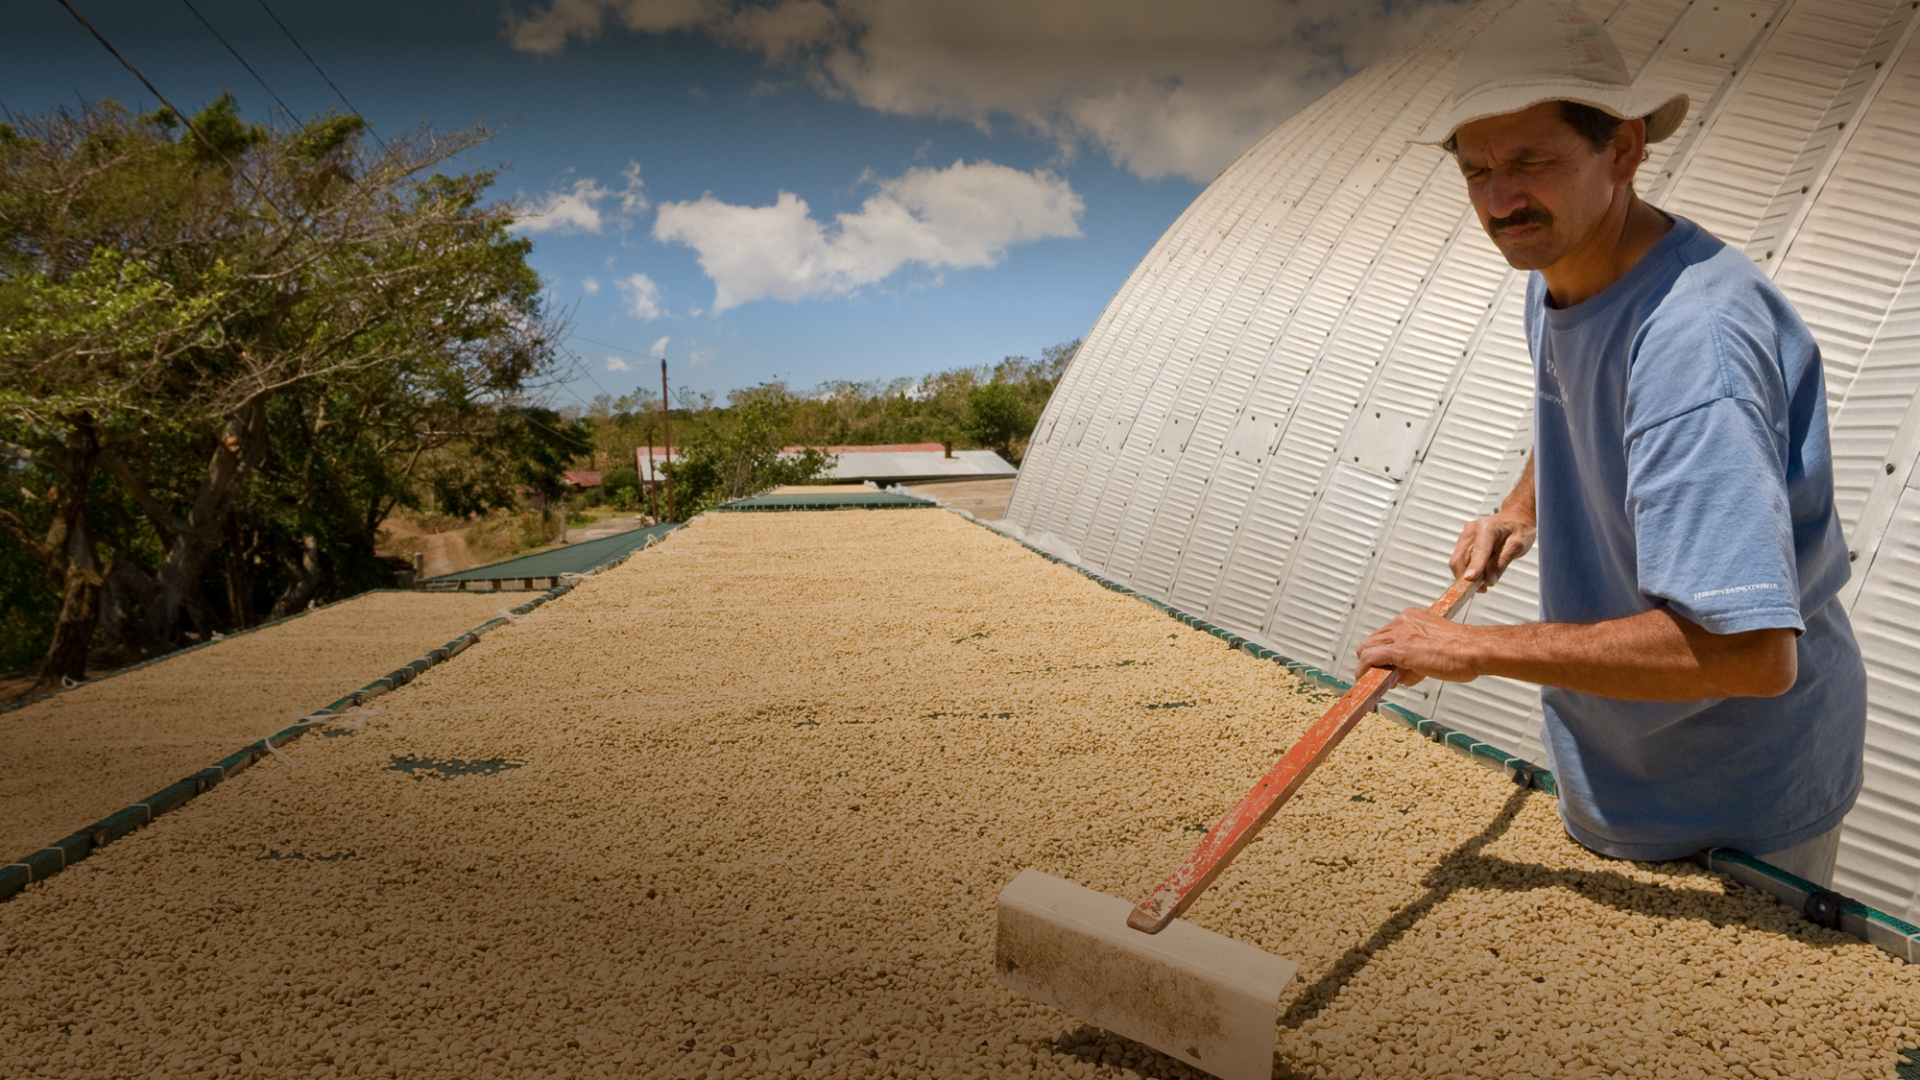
x,y
1182,887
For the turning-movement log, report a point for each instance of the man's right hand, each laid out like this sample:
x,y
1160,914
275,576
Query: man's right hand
x,y
1489,545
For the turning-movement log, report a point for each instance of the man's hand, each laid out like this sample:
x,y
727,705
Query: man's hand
x,y
1489,545
1420,644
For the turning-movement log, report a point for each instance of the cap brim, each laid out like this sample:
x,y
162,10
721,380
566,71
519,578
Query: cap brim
x,y
1664,112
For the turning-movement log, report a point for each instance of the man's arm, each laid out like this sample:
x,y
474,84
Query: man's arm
x,y
1653,656
1488,545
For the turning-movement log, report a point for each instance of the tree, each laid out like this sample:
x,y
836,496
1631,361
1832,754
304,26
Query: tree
x,y
942,401
999,419
265,344
734,452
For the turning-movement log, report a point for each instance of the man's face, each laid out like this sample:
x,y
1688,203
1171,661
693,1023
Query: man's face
x,y
1540,188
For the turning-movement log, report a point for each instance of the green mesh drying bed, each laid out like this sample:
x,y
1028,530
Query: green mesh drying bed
x,y
571,559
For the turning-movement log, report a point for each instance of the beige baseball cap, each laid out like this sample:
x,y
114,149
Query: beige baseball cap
x,y
1535,52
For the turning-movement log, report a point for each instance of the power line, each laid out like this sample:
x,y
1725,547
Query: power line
x,y
557,434
611,345
587,369
155,91
237,56
316,66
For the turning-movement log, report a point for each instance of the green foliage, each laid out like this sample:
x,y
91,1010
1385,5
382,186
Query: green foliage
x,y
329,135
226,136
29,600
222,367
619,488
964,408
733,452
998,417
519,449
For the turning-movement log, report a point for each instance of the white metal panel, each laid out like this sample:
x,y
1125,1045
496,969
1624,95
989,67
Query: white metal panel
x,y
1877,406
1817,58
1641,27
1881,844
1396,390
1779,103
1309,612
1346,177
1144,399
1466,468
1389,275
1316,281
1851,252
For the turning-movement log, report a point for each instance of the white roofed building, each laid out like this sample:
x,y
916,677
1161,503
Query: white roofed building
x,y
903,463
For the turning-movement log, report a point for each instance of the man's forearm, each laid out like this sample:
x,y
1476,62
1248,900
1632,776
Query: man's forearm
x,y
1521,500
1653,656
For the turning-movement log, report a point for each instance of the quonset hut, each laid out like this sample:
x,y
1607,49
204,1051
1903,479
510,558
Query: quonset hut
x,y
1318,373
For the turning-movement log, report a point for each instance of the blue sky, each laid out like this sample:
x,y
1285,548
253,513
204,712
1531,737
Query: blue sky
x,y
826,189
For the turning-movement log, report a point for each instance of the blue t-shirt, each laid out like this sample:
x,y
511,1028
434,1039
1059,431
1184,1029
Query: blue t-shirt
x,y
1681,458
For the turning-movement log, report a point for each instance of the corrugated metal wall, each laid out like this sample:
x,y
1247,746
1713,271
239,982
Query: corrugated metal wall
x,y
1318,372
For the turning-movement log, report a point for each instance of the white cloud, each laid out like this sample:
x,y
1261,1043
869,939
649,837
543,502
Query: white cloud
x,y
659,349
577,209
614,363
545,32
960,216
1161,88
633,197
590,285
574,210
642,296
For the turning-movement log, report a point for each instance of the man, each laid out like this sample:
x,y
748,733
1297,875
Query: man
x,y
1701,684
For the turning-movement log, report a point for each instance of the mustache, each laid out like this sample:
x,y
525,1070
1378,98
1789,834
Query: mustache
x,y
1526,215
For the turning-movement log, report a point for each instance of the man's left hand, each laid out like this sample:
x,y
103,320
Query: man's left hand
x,y
1419,644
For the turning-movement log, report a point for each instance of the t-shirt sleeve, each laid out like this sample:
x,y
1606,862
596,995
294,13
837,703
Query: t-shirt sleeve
x,y
1713,529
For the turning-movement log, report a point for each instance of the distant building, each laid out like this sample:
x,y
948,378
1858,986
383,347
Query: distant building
x,y
647,461
903,463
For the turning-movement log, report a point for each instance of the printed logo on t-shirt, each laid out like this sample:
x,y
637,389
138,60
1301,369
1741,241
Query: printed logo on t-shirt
x,y
1550,390
1734,589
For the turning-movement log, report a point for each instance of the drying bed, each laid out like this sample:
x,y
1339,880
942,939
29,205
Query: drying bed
x,y
740,807
76,756
566,560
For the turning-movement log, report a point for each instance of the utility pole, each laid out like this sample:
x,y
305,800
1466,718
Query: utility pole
x,y
666,428
652,489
